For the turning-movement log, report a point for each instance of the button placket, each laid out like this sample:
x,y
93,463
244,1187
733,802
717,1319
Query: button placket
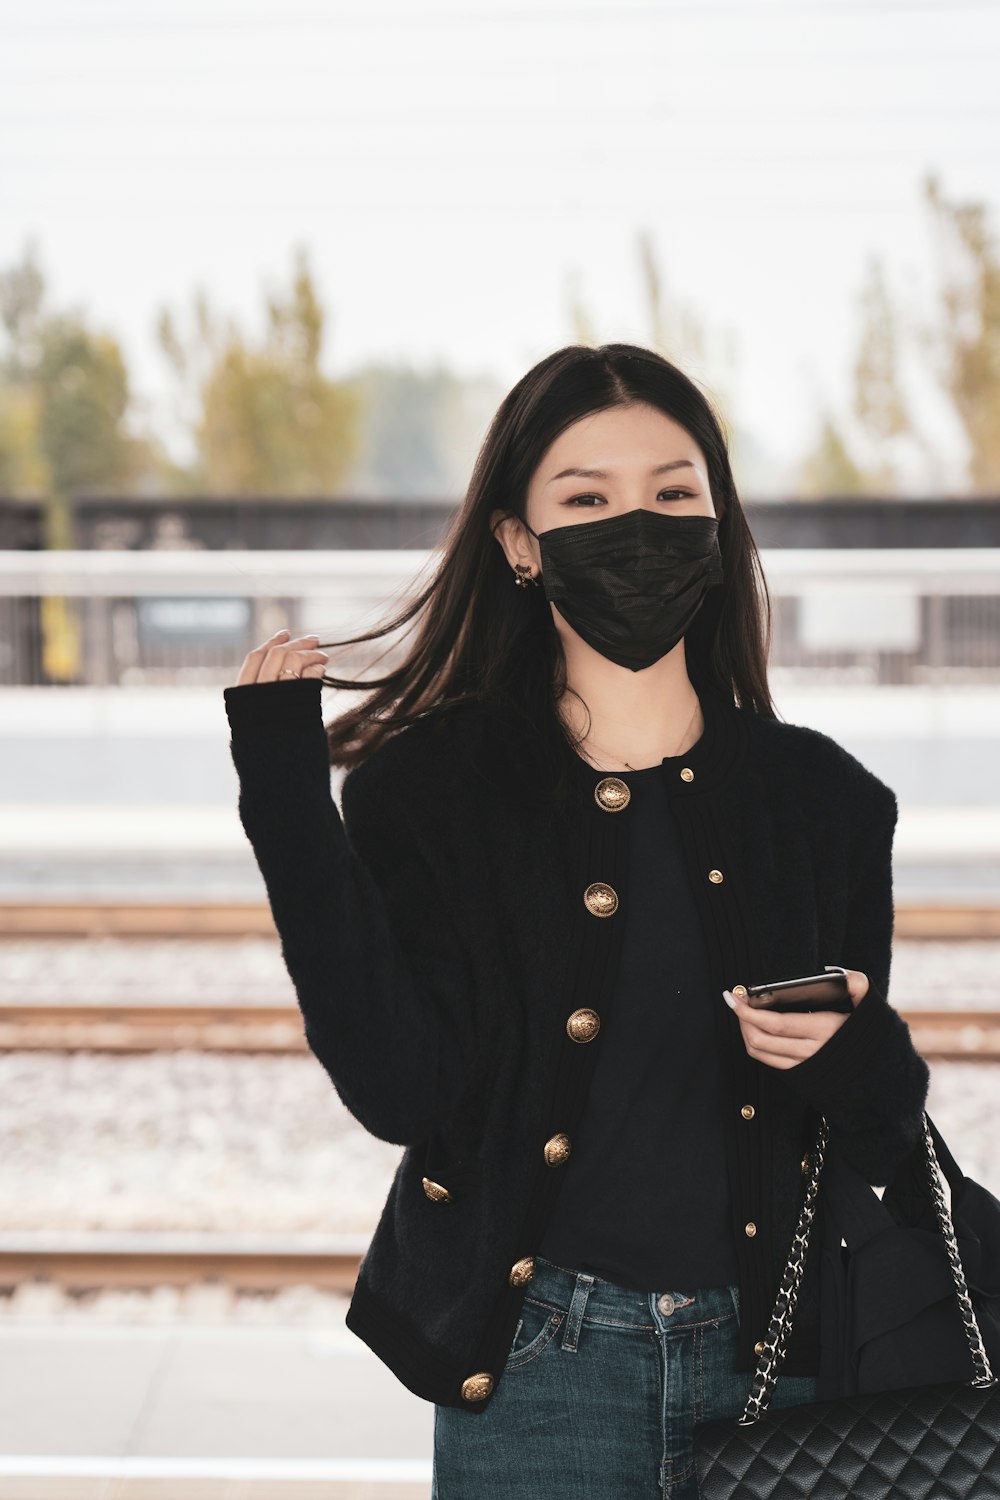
x,y
581,1026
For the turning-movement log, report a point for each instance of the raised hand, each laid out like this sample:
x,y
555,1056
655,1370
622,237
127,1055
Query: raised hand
x,y
281,659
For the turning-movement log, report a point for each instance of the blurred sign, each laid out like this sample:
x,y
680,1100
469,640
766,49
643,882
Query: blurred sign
x,y
872,622
182,622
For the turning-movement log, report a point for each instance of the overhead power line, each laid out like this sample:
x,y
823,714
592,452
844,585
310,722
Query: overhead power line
x,y
414,16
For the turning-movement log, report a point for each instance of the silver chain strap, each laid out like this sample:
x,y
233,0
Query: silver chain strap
x,y
780,1326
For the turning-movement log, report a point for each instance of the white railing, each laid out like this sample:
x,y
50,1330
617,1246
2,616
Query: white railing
x,y
856,615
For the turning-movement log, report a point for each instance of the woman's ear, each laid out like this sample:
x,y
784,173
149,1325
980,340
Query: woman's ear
x,y
513,537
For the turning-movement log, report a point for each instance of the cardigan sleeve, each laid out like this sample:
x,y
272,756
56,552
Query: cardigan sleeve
x,y
868,1079
389,1018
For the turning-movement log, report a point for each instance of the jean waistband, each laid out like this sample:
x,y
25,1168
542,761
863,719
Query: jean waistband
x,y
586,1294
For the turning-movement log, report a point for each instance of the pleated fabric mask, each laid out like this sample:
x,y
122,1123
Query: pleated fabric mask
x,y
630,585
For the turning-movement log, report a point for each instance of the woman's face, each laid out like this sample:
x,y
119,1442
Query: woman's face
x,y
636,457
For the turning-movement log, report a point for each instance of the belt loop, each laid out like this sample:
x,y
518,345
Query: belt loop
x,y
577,1307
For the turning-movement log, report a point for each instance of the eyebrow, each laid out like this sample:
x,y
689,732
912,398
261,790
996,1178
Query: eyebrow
x,y
677,463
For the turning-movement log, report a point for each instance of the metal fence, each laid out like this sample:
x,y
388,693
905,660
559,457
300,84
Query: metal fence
x,y
852,616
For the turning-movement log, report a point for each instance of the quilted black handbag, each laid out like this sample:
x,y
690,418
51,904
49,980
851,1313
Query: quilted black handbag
x,y
917,1442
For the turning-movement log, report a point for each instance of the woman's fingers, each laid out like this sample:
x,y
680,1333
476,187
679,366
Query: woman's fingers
x,y
770,1049
266,662
812,1024
783,1038
307,661
857,985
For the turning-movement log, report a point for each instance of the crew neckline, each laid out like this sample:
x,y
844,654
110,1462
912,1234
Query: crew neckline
x,y
682,759
709,759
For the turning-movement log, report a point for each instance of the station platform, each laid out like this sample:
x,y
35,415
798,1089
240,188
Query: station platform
x,y
119,791
203,1412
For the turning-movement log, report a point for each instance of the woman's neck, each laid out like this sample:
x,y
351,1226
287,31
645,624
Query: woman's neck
x,y
635,719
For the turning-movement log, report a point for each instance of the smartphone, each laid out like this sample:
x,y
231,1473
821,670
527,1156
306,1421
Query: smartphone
x,y
827,991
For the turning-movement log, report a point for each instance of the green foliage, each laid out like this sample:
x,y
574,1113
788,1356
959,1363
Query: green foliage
x,y
961,344
264,419
84,398
965,345
64,397
829,469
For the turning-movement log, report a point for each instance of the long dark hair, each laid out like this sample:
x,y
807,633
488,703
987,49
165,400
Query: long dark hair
x,y
479,639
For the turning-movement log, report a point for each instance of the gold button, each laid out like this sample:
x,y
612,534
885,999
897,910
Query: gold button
x,y
612,794
748,1111
740,990
806,1165
758,1348
715,876
751,1228
522,1271
557,1149
687,774
436,1192
600,899
583,1025
477,1386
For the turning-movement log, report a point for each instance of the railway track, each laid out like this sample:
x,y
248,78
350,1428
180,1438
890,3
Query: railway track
x,y
99,1261
940,920
57,1027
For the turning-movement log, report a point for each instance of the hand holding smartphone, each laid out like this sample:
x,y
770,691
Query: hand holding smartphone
x,y
826,991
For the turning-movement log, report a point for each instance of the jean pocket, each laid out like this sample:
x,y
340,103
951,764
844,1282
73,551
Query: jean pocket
x,y
536,1328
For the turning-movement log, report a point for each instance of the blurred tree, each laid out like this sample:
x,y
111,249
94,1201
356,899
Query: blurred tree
x,y
672,328
84,399
64,409
679,333
829,468
64,397
420,431
879,403
961,344
22,467
964,346
263,419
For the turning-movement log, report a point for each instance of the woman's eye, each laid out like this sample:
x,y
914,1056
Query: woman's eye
x,y
580,499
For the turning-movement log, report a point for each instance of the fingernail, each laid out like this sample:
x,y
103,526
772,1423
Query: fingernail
x,y
729,999
280,632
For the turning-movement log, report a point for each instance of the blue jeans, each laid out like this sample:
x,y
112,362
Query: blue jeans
x,y
600,1392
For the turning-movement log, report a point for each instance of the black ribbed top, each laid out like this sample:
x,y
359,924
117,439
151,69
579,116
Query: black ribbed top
x,y
646,1197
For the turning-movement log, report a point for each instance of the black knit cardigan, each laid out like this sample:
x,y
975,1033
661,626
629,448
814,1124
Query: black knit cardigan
x,y
438,941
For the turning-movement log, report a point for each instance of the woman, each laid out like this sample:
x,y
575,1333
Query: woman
x,y
573,832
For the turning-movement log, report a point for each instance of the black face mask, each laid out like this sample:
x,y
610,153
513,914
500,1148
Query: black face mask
x,y
630,585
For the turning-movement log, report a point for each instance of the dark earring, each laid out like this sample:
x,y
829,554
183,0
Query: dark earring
x,y
523,575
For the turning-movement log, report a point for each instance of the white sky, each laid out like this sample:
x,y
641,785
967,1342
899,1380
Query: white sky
x,y
451,166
